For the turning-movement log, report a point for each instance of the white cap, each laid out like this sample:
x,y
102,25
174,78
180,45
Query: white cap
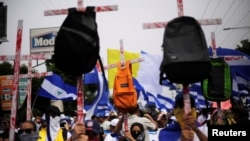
x,y
113,122
62,116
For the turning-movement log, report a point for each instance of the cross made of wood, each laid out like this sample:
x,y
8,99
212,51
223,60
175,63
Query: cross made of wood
x,y
80,8
29,75
153,25
17,58
80,90
122,61
186,96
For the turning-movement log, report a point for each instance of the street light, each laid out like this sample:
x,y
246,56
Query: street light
x,y
230,28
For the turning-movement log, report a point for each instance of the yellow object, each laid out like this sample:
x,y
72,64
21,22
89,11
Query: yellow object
x,y
179,113
43,135
114,58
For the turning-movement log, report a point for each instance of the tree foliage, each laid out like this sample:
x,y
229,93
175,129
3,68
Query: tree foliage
x,y
244,47
7,68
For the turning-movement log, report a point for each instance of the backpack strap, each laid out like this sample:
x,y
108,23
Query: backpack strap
x,y
103,72
72,10
91,10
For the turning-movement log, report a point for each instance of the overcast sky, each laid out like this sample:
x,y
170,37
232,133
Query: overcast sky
x,y
126,23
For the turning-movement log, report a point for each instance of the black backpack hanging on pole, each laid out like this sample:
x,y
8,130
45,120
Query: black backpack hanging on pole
x,y
77,43
185,56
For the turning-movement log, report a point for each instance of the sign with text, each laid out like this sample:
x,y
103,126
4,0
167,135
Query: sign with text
x,y
6,91
42,40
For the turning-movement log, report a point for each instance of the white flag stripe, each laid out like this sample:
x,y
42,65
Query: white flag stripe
x,y
56,91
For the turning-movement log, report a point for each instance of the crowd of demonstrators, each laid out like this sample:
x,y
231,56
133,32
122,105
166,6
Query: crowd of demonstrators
x,y
170,125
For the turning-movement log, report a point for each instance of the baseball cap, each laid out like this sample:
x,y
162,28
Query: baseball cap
x,y
93,125
113,122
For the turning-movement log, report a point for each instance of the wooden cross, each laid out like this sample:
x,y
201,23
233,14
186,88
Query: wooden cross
x,y
122,60
80,8
29,75
80,94
186,96
16,77
153,25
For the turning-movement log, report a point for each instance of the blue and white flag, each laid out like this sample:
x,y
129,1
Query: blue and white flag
x,y
196,91
147,83
100,104
54,87
165,102
243,83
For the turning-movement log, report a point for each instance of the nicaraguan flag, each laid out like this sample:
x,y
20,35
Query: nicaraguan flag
x,y
165,102
149,88
141,94
101,103
53,87
243,83
91,77
196,91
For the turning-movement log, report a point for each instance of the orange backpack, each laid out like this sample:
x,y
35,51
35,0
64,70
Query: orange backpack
x,y
124,93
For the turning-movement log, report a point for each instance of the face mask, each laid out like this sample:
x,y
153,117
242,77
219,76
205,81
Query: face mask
x,y
28,137
55,120
139,136
179,113
135,134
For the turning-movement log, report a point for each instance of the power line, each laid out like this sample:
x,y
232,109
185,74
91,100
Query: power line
x,y
206,9
227,11
215,9
229,34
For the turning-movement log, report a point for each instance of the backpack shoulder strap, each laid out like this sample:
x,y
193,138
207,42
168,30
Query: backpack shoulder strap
x,y
91,10
103,72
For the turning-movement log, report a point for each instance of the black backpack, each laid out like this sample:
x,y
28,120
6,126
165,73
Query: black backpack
x,y
185,56
77,43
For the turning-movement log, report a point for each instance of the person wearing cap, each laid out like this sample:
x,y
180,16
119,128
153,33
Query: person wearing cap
x,y
52,131
185,127
112,136
103,120
93,130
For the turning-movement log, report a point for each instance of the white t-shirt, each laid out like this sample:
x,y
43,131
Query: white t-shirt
x,y
110,138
